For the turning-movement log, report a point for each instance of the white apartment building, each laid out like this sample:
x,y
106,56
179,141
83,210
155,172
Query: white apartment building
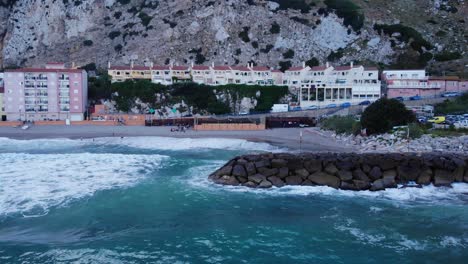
x,y
324,85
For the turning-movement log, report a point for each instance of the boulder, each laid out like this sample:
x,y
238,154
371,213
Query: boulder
x,y
268,172
408,173
361,185
276,181
345,165
295,164
389,181
387,163
293,180
260,164
239,171
458,174
226,170
331,169
424,178
392,173
241,161
250,184
242,179
250,168
322,178
308,183
227,180
360,175
345,175
465,178
378,185
313,165
366,168
375,173
303,173
265,184
257,178
348,186
278,163
283,172
443,178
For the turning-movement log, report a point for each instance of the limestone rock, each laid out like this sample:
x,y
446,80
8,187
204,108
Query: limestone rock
x,y
265,184
313,165
278,163
276,181
443,178
257,178
293,180
375,173
331,169
239,170
345,175
250,168
303,173
283,172
322,178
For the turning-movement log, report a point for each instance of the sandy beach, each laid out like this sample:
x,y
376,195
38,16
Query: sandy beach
x,y
312,140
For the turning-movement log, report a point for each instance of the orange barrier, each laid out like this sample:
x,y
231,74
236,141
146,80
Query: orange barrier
x,y
223,127
10,123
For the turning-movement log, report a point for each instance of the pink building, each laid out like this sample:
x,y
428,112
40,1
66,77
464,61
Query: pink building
x,y
407,83
53,92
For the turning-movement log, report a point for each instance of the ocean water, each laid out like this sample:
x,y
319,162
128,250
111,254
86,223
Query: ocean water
x,y
148,200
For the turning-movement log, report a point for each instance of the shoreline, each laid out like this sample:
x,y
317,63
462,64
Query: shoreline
x,y
289,138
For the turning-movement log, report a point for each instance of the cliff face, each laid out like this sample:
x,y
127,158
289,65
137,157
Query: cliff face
x,y
33,32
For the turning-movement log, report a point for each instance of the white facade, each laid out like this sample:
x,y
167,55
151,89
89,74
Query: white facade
x,y
324,85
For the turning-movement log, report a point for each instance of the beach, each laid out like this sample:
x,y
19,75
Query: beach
x,y
312,139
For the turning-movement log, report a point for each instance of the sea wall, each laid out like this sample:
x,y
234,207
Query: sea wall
x,y
343,171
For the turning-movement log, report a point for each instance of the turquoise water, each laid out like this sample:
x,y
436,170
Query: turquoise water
x,y
147,200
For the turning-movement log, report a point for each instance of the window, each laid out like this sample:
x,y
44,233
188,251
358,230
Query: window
x,y
75,91
75,107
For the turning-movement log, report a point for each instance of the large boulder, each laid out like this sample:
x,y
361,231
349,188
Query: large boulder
x,y
265,184
293,180
346,165
303,173
268,172
308,183
345,175
361,185
283,172
295,164
257,178
322,178
313,165
227,180
443,178
276,181
465,178
226,170
239,171
375,173
425,177
360,175
458,174
242,179
250,168
278,163
389,181
378,185
250,184
392,173
331,169
387,163
408,173
260,164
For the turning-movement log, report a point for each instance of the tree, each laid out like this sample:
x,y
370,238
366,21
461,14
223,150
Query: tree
x,y
384,114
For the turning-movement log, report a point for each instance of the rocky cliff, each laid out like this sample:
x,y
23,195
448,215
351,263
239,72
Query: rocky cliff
x,y
278,33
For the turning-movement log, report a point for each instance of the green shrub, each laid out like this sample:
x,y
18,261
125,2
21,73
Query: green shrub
x,y
284,65
88,42
267,48
341,124
384,114
350,12
457,106
406,35
335,55
288,54
448,56
114,34
244,34
275,28
294,4
313,62
145,18
255,44
415,131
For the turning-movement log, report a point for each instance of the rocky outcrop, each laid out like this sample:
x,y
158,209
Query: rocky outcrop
x,y
356,172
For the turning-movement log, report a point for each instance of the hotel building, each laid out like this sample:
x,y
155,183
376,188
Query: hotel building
x,y
408,83
51,93
324,85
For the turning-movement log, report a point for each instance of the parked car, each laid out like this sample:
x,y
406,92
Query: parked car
x,y
415,98
345,105
365,102
244,113
450,94
399,98
331,106
312,107
461,124
422,119
296,108
437,120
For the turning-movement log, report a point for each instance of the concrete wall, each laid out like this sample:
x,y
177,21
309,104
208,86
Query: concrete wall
x,y
241,127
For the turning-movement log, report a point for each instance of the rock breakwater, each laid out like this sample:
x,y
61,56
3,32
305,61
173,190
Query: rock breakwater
x,y
347,171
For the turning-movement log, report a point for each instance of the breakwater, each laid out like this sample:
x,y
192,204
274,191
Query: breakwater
x,y
343,171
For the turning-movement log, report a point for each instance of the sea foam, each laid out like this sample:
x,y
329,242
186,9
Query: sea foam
x,y
33,183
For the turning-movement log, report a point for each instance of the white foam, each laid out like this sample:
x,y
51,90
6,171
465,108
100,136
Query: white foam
x,y
167,143
450,241
14,145
33,183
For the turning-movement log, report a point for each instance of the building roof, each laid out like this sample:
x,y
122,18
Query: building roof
x,y
295,69
2,89
222,68
41,70
371,68
342,68
260,68
445,78
240,68
276,71
200,67
319,68
160,68
141,68
128,68
180,68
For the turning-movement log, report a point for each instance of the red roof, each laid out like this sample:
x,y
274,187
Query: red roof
x,y
240,68
222,68
119,68
200,68
445,78
260,68
2,89
342,68
295,69
160,68
136,67
141,68
276,71
40,70
180,68
318,68
371,68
